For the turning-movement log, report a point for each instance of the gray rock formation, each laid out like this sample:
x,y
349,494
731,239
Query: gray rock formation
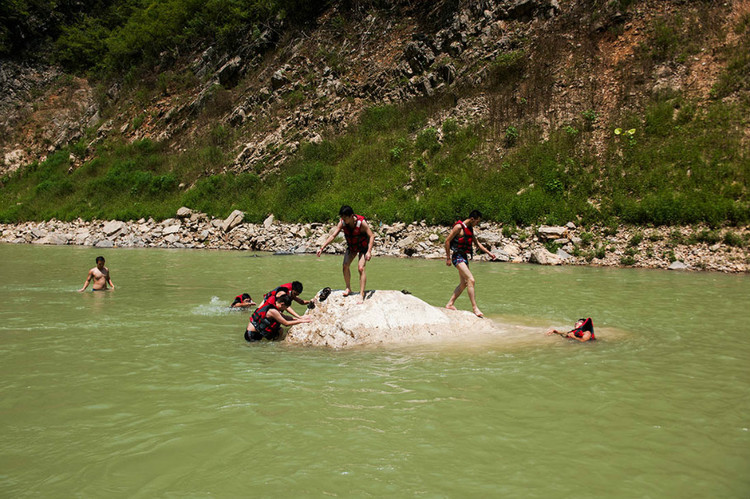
x,y
232,221
386,317
677,265
544,257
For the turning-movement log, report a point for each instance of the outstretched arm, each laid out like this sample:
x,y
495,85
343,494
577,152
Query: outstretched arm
x,y
300,300
285,320
483,249
371,237
88,280
291,311
331,237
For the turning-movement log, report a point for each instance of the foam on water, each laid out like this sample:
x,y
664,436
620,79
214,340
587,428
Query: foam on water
x,y
215,307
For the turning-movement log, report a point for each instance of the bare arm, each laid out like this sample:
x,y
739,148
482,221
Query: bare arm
x,y
371,237
286,320
331,237
88,280
585,337
482,248
300,300
109,279
243,304
291,311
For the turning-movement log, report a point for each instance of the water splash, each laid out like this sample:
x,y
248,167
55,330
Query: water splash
x,y
214,308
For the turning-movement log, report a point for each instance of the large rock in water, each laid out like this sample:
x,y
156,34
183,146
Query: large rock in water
x,y
386,317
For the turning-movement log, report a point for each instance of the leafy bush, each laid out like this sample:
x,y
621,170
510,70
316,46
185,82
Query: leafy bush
x,y
732,239
511,136
627,260
427,141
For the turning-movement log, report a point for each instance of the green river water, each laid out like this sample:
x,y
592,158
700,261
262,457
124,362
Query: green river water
x,y
150,390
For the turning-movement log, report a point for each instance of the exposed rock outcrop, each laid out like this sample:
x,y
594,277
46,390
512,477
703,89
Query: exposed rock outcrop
x,y
628,246
386,317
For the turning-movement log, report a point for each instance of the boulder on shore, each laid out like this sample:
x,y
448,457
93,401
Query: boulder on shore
x,y
386,317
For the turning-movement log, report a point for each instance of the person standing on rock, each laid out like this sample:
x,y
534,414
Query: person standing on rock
x,y
458,250
100,275
359,241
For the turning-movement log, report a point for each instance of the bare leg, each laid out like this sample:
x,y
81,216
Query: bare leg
x,y
347,273
470,290
362,277
467,282
459,289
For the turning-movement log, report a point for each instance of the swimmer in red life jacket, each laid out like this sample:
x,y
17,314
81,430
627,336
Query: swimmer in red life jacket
x,y
266,321
458,250
242,301
583,331
359,241
293,289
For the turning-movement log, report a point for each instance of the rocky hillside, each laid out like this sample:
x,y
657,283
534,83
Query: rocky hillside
x,y
511,71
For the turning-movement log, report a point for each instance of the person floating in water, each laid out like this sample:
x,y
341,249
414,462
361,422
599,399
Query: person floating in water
x,y
458,251
292,289
583,331
359,241
242,301
267,320
101,276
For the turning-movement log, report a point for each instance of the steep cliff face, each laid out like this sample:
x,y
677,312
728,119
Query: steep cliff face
x,y
493,62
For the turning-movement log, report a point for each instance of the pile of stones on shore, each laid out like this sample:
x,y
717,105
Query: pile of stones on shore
x,y
661,247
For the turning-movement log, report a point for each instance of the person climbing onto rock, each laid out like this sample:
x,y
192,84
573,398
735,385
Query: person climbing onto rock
x,y
101,276
582,331
242,301
293,289
359,241
266,321
458,250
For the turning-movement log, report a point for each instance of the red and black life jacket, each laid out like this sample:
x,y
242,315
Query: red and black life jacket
x,y
587,326
263,324
356,239
270,297
464,243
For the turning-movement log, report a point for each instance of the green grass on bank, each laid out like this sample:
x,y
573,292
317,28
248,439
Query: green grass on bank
x,y
676,164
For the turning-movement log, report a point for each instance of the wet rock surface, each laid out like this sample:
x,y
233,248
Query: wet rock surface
x,y
386,317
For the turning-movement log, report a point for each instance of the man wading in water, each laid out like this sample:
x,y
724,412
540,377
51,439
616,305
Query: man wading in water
x,y
101,277
359,241
460,243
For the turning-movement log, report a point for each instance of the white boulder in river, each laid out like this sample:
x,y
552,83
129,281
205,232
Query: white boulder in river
x,y
386,317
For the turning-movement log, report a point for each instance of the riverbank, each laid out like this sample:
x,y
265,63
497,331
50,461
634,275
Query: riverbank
x,y
683,248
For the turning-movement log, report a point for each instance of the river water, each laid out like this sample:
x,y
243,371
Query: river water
x,y
150,390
